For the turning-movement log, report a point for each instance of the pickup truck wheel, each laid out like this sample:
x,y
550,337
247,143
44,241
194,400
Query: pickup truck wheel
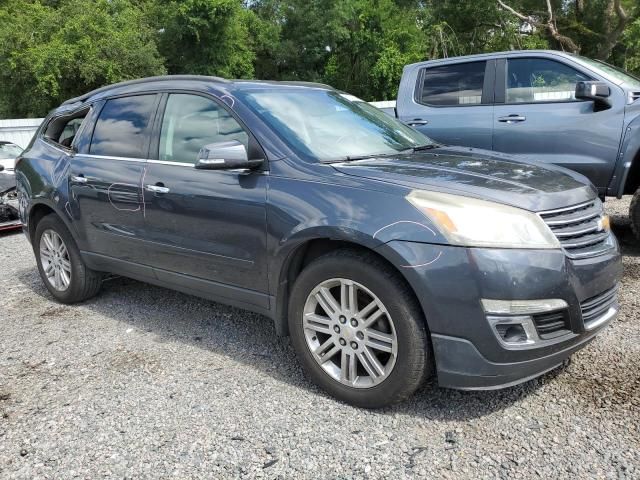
x,y
60,265
634,214
357,329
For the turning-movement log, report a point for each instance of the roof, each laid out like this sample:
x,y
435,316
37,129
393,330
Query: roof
x,y
481,56
181,79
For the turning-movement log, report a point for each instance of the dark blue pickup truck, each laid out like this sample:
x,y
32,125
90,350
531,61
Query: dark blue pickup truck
x,y
551,106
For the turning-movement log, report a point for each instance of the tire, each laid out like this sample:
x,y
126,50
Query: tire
x,y
83,283
312,326
634,214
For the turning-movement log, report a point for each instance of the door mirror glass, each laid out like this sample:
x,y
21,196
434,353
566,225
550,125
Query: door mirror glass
x,y
227,155
598,92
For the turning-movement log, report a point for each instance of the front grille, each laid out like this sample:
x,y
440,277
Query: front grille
x,y
579,229
594,307
633,96
551,324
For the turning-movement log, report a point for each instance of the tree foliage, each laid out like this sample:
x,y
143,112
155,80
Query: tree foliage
x,y
49,53
54,49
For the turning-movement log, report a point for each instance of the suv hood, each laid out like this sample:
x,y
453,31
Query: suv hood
x,y
481,174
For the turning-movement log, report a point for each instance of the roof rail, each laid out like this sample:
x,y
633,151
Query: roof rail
x,y
137,81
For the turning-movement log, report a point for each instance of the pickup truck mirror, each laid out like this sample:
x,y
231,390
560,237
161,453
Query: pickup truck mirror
x,y
598,92
227,155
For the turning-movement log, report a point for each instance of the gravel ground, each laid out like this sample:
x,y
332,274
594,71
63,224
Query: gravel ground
x,y
143,382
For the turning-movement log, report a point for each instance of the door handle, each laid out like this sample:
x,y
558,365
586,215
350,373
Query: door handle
x,y
514,118
157,188
417,121
79,178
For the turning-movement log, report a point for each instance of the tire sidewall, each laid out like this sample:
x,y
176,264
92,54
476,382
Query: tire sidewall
x,y
408,324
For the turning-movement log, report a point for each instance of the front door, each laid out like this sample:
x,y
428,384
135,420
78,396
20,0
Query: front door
x,y
105,178
541,118
204,224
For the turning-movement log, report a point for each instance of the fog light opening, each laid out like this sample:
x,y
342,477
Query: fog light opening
x,y
513,333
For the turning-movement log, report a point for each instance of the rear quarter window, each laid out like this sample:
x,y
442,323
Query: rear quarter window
x,y
122,128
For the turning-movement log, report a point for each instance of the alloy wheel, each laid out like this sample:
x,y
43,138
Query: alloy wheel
x,y
350,333
55,261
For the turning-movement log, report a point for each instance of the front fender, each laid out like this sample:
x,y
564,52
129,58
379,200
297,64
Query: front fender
x,y
629,150
299,212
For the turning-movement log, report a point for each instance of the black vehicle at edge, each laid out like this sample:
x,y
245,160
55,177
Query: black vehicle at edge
x,y
382,254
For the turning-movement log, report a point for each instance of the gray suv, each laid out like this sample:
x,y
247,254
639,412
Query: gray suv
x,y
551,106
385,256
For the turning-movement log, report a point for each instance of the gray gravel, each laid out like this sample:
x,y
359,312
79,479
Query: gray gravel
x,y
143,382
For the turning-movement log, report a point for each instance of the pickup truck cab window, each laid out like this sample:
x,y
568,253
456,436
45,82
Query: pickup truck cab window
x,y
453,85
190,122
122,127
532,80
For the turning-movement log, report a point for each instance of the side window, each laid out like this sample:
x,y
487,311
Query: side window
x,y
457,84
531,80
121,129
63,130
69,131
190,122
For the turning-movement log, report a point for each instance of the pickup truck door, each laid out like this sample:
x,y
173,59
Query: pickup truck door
x,y
452,103
536,114
204,229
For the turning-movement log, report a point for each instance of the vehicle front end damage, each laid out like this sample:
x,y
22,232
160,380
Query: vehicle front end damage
x,y
9,218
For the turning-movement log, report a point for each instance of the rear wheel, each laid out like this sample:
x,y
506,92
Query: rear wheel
x,y
60,265
357,329
634,214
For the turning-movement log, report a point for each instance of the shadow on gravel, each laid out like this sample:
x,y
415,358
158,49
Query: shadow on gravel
x,y
250,338
9,233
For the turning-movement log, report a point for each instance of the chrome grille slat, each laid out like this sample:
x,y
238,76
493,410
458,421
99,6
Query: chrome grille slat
x,y
585,240
579,229
594,307
572,233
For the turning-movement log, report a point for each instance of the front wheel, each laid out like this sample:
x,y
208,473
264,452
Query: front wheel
x,y
60,265
634,214
357,329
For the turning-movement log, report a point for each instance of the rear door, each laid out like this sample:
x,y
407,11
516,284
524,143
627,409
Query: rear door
x,y
106,174
453,103
536,114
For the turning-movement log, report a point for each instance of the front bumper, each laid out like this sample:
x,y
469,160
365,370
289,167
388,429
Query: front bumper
x,y
451,281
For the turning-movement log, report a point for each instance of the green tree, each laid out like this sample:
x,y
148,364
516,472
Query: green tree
x,y
49,53
206,37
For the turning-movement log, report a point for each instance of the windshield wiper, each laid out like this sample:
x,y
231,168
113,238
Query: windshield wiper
x,y
428,146
353,158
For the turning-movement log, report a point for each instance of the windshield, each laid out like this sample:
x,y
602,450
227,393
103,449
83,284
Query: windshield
x,y
8,150
326,125
616,73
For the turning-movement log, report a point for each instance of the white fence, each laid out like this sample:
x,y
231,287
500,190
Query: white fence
x,y
19,131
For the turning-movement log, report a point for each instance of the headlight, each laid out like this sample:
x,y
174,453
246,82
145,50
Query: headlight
x,y
478,223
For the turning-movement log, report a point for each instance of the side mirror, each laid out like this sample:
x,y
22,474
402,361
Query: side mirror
x,y
1,168
598,92
228,155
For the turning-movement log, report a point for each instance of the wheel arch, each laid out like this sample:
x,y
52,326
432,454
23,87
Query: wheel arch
x,y
37,211
307,251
